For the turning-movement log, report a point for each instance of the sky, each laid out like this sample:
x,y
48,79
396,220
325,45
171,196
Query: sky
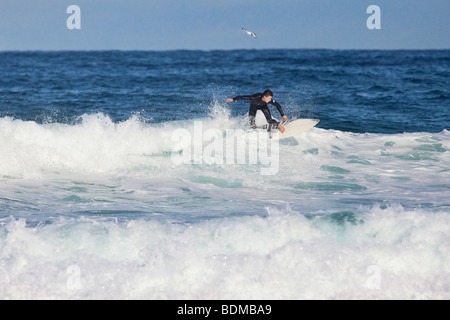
x,y
216,24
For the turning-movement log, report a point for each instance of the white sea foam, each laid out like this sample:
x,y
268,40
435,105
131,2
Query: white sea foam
x,y
97,145
98,164
386,253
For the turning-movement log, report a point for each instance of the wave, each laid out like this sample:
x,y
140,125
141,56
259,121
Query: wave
x,y
97,145
390,253
95,167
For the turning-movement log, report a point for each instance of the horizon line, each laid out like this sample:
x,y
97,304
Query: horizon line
x,y
209,50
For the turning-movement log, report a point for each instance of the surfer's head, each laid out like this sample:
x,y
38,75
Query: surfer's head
x,y
267,96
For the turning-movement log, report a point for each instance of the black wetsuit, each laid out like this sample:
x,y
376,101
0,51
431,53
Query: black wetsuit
x,y
256,103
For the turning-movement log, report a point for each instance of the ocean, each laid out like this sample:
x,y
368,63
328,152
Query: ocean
x,y
126,175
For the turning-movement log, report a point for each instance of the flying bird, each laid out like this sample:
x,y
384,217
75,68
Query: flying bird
x,y
250,33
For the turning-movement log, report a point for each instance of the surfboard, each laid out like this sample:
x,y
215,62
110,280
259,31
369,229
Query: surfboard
x,y
294,128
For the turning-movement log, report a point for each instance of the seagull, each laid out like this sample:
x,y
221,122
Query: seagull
x,y
250,33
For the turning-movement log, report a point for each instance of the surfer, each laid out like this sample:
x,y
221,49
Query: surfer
x,y
259,101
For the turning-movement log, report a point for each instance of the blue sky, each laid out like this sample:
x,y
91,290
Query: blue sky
x,y
216,24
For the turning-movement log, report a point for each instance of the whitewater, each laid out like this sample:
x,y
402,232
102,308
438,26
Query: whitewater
x,y
97,209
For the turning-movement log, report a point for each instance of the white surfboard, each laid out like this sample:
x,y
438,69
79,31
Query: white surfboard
x,y
294,128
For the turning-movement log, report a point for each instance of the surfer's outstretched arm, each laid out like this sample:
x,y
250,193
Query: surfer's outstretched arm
x,y
254,96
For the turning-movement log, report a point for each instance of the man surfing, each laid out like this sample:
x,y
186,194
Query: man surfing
x,y
259,101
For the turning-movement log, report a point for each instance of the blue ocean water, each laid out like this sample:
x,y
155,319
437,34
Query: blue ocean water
x,y
94,204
